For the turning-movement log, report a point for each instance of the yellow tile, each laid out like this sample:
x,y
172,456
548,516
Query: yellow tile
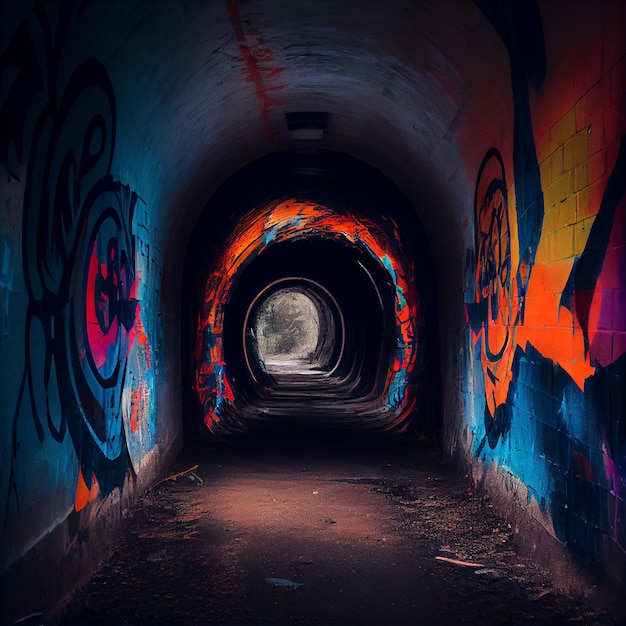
x,y
552,167
575,150
581,176
564,129
566,212
588,200
562,244
561,189
550,220
581,234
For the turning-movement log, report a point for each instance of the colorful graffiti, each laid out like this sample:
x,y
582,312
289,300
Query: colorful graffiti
x,y
87,368
287,220
547,320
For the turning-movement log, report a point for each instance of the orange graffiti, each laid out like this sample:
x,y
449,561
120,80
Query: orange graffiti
x,y
84,494
137,400
282,221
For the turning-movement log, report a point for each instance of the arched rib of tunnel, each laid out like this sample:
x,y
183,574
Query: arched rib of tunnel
x,y
335,238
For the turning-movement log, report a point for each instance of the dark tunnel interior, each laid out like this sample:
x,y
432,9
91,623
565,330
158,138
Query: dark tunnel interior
x,y
265,228
356,365
353,379
235,226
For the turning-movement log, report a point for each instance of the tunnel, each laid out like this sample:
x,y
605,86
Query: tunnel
x,y
229,221
301,218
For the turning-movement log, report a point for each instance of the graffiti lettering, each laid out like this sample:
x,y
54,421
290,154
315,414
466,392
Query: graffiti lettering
x,y
551,405
83,316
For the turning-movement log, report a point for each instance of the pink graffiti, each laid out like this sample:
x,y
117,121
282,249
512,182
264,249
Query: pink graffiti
x,y
110,312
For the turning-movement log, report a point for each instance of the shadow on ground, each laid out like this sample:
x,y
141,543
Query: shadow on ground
x,y
316,532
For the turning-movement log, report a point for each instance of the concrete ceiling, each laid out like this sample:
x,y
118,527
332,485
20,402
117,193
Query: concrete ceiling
x,y
202,88
419,89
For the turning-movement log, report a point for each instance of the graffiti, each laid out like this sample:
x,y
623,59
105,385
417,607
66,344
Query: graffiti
x,y
549,337
494,315
521,30
593,290
500,297
256,56
87,356
281,221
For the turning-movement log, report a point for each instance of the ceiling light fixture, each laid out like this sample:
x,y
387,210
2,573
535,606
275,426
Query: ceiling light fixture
x,y
307,125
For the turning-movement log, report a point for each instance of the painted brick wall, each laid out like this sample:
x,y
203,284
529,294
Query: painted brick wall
x,y
548,317
77,280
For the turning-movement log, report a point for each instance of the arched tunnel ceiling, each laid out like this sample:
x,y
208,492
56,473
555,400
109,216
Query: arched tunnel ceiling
x,y
203,88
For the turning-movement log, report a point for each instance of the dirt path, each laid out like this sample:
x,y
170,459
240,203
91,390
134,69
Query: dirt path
x,y
318,535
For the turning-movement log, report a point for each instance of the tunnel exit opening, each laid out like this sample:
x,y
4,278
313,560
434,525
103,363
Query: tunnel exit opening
x,y
294,324
287,329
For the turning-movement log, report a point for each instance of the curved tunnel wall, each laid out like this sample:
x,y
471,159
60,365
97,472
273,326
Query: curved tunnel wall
x,y
504,131
357,354
542,283
283,221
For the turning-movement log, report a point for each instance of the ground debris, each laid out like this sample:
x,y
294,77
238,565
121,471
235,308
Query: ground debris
x,y
177,475
366,549
458,562
283,582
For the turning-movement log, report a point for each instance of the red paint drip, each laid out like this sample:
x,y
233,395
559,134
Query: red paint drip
x,y
252,56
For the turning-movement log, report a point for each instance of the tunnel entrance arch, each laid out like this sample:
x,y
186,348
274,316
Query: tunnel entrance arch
x,y
336,238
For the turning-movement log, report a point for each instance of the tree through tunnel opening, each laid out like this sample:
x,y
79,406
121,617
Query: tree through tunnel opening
x,y
287,328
